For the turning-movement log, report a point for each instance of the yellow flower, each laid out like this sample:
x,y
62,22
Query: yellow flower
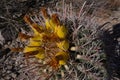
x,y
63,45
61,31
62,57
48,42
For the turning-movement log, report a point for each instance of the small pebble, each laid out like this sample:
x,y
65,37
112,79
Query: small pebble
x,y
7,78
9,67
13,75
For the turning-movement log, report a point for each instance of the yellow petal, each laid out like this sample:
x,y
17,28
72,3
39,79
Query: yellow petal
x,y
50,25
61,31
36,38
40,55
62,62
29,49
36,28
63,45
23,36
47,24
52,22
16,49
45,13
62,57
55,19
27,19
39,38
35,43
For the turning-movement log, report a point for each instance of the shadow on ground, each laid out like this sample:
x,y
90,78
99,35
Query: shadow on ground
x,y
111,46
